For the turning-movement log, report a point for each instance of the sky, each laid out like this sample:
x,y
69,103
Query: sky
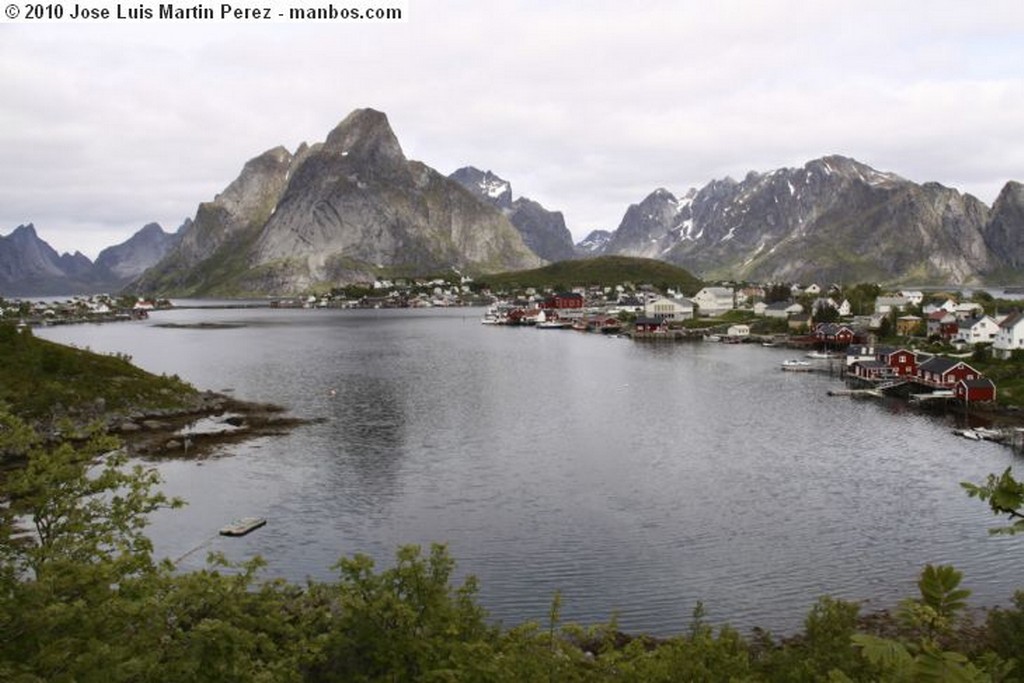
x,y
585,107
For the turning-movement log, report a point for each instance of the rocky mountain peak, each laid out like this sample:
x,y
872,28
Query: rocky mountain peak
x,y
485,185
365,135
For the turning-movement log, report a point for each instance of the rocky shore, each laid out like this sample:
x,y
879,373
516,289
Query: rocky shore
x,y
209,420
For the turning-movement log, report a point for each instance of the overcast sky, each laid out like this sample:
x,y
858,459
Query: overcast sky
x,y
585,107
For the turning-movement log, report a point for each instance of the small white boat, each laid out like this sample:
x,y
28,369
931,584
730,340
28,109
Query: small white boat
x,y
821,355
795,365
242,526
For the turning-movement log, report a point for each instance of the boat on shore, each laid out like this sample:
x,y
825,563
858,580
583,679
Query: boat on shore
x,y
242,526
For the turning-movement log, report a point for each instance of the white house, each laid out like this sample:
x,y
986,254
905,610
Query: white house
x,y
947,305
813,289
913,296
714,301
844,308
671,309
782,309
978,330
888,304
738,330
1009,337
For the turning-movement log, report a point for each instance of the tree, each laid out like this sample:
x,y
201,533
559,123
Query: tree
x,y
86,513
1005,496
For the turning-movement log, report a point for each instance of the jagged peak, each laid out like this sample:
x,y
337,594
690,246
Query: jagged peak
x,y
25,230
365,134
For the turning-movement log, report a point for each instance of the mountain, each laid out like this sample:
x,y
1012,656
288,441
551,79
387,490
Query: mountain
x,y
31,267
1004,232
543,231
348,209
833,220
124,262
28,265
593,244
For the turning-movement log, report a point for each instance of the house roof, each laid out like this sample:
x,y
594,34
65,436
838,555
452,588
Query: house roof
x,y
872,364
643,320
979,383
1012,320
941,364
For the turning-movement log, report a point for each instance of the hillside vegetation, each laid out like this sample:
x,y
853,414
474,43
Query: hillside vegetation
x,y
41,379
598,271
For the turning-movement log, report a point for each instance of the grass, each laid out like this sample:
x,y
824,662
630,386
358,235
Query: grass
x,y
39,379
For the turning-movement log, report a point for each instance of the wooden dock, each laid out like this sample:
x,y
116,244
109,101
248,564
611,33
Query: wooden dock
x,y
240,527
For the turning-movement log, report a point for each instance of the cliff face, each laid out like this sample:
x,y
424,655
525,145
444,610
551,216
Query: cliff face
x,y
345,210
543,231
834,219
1004,233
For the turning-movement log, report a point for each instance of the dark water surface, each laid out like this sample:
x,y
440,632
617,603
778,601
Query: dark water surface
x,y
636,479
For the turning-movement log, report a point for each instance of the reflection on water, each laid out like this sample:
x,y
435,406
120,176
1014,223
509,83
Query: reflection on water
x,y
636,479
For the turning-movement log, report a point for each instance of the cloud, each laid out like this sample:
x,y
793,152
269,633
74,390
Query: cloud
x,y
585,107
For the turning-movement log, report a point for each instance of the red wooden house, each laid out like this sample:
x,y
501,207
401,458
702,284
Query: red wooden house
x,y
833,335
871,370
943,324
564,300
902,362
974,390
945,373
648,325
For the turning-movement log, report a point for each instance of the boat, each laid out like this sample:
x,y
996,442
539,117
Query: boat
x,y
242,526
769,345
968,434
796,365
554,325
821,355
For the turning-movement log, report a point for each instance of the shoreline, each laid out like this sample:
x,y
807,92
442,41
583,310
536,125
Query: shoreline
x,y
214,419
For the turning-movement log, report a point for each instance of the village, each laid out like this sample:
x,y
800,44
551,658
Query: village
x,y
924,348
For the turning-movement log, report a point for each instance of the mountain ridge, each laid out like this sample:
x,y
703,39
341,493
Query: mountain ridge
x,y
348,209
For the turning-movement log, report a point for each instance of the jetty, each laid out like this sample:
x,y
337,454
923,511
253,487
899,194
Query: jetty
x,y
242,526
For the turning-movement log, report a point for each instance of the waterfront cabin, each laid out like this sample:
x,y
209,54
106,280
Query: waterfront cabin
x,y
980,389
644,325
871,370
834,335
945,373
738,331
903,362
857,353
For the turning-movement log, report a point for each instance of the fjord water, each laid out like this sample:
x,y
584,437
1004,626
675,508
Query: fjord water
x,y
634,478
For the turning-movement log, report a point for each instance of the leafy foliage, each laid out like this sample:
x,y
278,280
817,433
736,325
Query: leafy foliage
x,y
1005,496
82,599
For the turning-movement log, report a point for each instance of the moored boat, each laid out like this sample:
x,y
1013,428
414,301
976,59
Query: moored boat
x,y
796,365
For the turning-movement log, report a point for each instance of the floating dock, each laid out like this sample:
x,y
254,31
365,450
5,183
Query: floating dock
x,y
240,527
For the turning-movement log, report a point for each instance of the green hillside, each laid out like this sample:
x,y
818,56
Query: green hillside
x,y
604,270
37,376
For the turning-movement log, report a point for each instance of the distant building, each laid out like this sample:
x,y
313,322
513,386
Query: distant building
x,y
714,301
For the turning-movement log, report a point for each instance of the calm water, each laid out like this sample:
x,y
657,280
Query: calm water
x,y
636,479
